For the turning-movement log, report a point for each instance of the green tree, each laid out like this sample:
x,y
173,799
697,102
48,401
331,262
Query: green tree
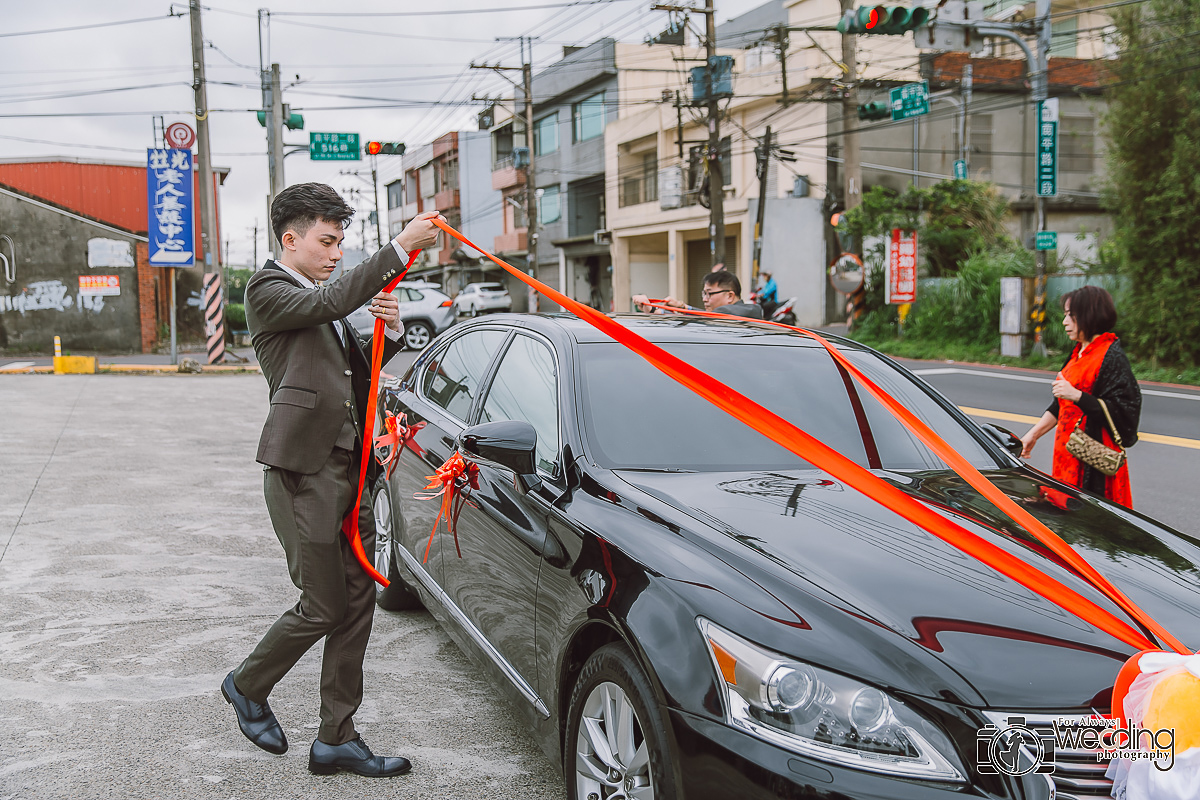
x,y
953,219
1153,129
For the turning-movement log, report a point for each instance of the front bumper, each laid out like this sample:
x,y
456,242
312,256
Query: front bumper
x,y
717,761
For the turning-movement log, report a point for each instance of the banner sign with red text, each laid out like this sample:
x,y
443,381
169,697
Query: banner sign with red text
x,y
901,285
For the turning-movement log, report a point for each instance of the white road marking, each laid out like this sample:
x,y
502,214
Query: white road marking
x,y
1032,379
13,366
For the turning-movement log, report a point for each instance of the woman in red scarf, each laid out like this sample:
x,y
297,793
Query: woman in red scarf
x,y
1097,370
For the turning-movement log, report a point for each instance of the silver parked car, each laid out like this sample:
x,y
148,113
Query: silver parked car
x,y
479,298
424,310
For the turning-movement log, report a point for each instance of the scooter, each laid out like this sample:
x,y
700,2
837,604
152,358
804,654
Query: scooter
x,y
777,312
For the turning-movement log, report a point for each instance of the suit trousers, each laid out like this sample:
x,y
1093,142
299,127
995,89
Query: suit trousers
x,y
337,597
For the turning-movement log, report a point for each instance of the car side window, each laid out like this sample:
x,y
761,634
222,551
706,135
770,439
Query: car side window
x,y
414,295
452,377
526,388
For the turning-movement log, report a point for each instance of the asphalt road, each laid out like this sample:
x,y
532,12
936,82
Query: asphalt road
x,y
138,566
1163,465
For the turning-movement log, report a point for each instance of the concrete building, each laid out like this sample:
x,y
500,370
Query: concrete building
x,y
574,99
452,175
73,236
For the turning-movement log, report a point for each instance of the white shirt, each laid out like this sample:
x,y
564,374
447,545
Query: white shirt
x,y
307,284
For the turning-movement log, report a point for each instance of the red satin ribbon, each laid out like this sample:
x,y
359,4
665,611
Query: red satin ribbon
x,y
397,435
350,523
981,484
825,458
452,476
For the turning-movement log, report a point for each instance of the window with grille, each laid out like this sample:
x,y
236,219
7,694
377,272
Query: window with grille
x,y
545,135
588,117
1076,144
981,143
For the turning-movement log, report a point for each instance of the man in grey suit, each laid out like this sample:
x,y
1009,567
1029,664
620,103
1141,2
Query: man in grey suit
x,y
318,377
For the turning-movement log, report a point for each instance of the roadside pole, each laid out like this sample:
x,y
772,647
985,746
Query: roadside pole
x,y
1040,93
851,155
174,346
716,179
531,235
763,163
214,315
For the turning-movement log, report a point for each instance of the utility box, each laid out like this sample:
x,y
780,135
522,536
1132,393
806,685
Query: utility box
x,y
713,81
1016,300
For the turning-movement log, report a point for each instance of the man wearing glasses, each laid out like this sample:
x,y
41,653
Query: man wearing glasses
x,y
722,294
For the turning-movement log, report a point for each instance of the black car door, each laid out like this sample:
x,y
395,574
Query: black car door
x,y
502,531
437,404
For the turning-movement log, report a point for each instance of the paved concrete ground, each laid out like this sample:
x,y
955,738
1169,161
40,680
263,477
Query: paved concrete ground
x,y
137,566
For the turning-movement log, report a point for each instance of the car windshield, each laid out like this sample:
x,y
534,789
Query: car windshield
x,y
635,417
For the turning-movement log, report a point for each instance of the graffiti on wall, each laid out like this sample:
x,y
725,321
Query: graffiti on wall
x,y
48,296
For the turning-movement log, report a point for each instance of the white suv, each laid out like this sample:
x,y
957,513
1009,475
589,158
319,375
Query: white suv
x,y
424,310
479,298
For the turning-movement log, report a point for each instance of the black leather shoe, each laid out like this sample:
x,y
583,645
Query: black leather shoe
x,y
256,720
354,756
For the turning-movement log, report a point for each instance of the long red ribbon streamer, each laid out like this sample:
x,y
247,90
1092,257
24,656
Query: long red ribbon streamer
x,y
350,523
976,479
823,457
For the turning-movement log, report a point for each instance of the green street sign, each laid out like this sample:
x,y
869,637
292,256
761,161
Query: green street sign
x,y
910,100
1047,148
960,170
1045,240
333,147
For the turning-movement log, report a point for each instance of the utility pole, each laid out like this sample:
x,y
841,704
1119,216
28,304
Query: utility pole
x,y
968,83
272,102
531,240
254,263
214,307
1040,93
526,87
763,162
378,213
781,40
851,155
716,180
208,214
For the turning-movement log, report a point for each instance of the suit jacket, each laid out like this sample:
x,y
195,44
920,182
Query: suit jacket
x,y
312,378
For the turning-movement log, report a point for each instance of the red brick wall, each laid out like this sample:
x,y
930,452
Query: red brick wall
x,y
148,308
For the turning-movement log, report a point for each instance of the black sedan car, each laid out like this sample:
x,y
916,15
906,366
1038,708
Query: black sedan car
x,y
680,607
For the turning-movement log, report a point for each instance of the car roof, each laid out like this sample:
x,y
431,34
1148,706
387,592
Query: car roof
x,y
670,328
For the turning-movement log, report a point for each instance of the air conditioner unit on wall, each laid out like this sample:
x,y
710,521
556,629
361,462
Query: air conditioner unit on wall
x,y
670,187
602,237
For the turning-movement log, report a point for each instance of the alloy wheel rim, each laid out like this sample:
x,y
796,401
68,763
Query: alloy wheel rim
x,y
383,534
416,336
612,758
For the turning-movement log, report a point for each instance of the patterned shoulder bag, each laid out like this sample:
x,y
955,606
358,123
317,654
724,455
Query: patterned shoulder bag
x,y
1096,454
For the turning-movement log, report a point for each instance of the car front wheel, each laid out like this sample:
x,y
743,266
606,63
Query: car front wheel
x,y
616,737
396,596
417,334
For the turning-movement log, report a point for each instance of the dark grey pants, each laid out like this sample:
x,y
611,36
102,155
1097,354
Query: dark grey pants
x,y
337,598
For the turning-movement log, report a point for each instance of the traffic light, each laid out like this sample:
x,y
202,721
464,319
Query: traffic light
x,y
385,148
876,109
293,122
884,20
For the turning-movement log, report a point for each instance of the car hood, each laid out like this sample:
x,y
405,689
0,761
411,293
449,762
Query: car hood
x,y
1017,649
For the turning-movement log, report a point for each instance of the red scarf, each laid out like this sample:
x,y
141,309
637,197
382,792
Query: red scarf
x,y
1081,371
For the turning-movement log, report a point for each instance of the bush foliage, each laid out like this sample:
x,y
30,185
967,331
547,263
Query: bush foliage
x,y
1153,130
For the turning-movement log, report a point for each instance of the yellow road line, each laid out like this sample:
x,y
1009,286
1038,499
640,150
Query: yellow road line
x,y
1157,438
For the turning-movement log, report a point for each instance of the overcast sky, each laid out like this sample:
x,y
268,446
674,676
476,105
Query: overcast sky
x,y
93,93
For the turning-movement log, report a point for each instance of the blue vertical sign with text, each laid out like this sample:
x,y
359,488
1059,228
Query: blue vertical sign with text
x,y
171,207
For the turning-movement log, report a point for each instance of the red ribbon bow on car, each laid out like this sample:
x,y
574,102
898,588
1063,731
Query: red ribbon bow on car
x,y
455,475
399,434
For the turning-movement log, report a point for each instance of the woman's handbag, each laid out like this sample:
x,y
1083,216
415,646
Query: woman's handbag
x,y
1095,454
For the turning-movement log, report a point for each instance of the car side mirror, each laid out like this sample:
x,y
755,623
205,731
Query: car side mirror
x,y
1007,439
509,443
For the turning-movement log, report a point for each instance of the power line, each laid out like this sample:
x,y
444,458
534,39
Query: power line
x,y
443,12
86,27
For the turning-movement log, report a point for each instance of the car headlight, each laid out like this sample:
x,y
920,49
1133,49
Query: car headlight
x,y
824,715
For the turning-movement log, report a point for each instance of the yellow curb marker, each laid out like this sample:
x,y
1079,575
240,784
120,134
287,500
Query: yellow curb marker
x,y
1157,438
